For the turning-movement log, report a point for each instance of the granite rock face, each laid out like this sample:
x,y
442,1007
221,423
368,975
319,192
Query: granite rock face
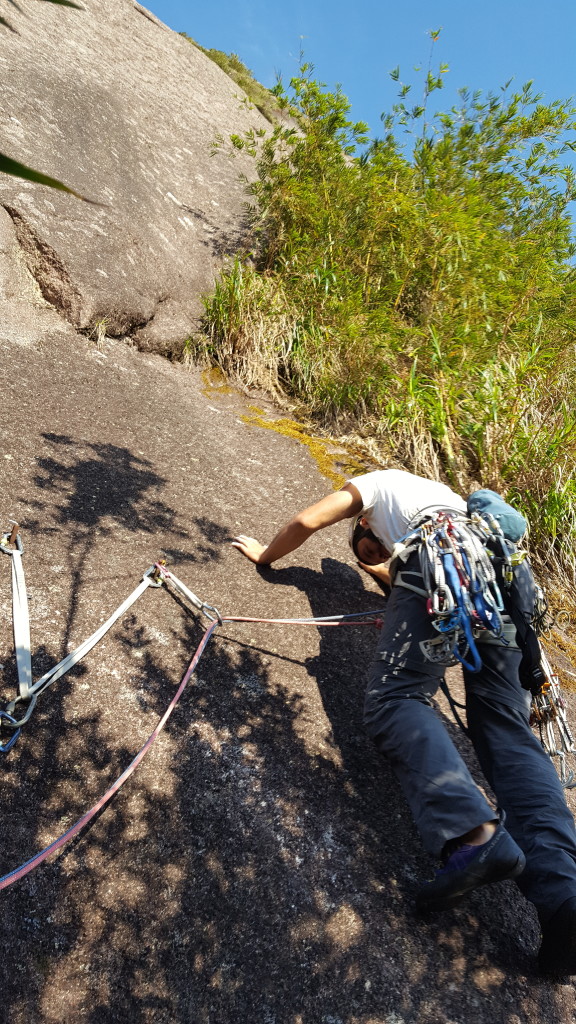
x,y
125,111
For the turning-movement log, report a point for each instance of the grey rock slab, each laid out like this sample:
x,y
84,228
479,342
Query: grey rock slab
x,y
260,865
125,111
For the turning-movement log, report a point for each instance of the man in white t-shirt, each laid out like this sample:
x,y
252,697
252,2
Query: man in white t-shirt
x,y
457,824
388,500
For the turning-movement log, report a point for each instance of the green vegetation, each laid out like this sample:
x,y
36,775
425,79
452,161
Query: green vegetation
x,y
263,99
425,301
19,170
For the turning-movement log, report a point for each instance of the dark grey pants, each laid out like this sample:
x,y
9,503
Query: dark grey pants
x,y
440,791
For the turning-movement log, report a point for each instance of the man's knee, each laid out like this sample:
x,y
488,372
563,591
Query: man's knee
x,y
388,711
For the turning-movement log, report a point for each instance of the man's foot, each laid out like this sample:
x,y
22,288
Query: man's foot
x,y
468,868
557,956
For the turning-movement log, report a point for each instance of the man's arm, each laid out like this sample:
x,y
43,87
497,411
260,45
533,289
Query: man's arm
x,y
329,510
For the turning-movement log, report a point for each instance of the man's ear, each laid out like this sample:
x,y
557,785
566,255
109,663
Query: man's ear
x,y
363,521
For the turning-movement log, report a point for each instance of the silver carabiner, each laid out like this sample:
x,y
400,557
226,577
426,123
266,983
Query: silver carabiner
x,y
207,608
12,538
442,602
11,707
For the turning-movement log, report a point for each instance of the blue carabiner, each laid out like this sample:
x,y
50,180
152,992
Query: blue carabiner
x,y
476,663
453,581
5,747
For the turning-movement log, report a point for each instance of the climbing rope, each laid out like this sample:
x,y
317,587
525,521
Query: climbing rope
x,y
24,869
156,576
549,714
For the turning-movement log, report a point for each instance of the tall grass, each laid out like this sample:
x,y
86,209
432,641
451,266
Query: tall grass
x,y
426,301
263,99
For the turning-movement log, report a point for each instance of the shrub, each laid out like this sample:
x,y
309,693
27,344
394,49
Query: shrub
x,y
427,299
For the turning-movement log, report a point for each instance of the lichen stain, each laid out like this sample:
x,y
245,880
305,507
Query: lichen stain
x,y
337,467
215,380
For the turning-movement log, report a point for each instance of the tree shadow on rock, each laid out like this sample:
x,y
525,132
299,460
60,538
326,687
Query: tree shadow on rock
x,y
245,873
95,492
102,486
89,494
340,671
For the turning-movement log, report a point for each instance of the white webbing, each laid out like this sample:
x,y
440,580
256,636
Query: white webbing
x,y
21,625
75,656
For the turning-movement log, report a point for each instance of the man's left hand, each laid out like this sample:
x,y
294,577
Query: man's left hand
x,y
380,571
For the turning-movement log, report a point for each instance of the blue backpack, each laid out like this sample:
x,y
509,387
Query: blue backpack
x,y
489,505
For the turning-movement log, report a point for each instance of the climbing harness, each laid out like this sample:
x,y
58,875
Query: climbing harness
x,y
467,570
28,692
459,581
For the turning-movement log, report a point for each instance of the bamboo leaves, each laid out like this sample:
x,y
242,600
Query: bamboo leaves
x,y
19,170
433,290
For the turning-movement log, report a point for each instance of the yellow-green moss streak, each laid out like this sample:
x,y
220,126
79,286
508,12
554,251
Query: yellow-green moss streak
x,y
318,447
215,381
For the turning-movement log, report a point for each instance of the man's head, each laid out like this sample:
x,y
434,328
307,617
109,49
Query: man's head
x,y
365,544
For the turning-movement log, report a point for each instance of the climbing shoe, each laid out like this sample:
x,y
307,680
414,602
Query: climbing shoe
x,y
557,956
469,867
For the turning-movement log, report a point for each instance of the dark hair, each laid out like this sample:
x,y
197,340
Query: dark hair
x,y
358,534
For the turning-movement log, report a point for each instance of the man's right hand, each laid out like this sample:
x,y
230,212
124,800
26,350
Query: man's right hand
x,y
250,547
329,510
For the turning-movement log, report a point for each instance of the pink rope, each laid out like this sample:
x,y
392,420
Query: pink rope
x,y
13,876
307,622
24,869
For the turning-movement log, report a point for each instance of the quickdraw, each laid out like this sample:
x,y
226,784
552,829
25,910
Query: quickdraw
x,y
463,595
28,692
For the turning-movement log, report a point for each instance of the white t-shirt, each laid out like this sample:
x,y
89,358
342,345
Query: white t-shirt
x,y
391,498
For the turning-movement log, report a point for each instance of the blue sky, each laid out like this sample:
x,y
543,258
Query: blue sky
x,y
357,44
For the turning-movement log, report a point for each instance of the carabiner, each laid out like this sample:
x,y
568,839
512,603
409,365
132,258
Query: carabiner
x,y
153,575
216,617
442,601
5,747
11,707
12,538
